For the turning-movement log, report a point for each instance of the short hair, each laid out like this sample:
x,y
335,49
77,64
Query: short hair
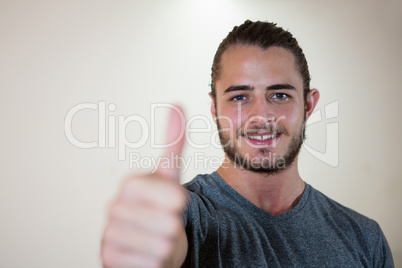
x,y
263,35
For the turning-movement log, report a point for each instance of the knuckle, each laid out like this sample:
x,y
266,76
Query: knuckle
x,y
109,257
172,226
121,211
179,198
127,185
165,248
109,234
173,192
113,209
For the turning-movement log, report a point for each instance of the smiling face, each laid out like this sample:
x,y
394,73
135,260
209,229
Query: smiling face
x,y
260,108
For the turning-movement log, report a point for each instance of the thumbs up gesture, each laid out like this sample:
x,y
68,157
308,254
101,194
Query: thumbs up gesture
x,y
144,228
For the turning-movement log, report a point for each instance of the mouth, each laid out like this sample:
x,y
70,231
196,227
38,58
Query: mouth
x,y
261,137
260,140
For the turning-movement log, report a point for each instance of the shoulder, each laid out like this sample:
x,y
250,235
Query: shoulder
x,y
202,192
201,183
352,226
205,187
336,211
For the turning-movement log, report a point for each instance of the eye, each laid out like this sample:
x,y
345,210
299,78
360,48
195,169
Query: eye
x,y
280,96
239,98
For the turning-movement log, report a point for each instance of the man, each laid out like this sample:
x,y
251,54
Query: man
x,y
255,210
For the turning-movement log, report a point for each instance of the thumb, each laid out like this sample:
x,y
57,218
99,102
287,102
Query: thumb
x,y
169,167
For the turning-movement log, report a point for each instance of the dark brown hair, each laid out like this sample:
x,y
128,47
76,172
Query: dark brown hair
x,y
263,35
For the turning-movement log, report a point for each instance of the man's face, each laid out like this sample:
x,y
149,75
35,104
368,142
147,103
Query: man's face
x,y
260,108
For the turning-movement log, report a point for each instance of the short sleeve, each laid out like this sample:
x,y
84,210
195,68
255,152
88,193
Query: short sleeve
x,y
382,257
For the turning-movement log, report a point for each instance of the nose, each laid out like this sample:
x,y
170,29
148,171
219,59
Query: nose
x,y
260,113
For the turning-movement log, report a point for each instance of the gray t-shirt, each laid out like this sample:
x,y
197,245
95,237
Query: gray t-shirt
x,y
226,230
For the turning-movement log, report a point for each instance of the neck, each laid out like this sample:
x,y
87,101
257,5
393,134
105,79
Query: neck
x,y
274,193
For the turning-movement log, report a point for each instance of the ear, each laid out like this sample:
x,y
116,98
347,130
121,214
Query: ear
x,y
213,110
312,99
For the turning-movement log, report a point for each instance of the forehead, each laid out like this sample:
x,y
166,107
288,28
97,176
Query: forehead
x,y
251,64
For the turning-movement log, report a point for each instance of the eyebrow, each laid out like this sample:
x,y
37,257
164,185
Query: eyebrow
x,y
281,86
248,87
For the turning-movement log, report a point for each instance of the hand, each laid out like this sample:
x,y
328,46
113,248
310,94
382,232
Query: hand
x,y
144,228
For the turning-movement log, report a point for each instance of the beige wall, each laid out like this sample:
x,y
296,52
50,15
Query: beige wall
x,y
54,56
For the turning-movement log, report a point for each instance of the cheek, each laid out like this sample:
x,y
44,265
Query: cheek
x,y
292,119
229,118
289,117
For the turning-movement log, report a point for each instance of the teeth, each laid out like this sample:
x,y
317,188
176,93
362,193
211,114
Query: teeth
x,y
261,138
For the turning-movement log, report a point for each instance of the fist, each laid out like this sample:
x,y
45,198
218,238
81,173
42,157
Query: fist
x,y
145,223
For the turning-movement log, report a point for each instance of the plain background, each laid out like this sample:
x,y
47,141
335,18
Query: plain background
x,y
57,54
